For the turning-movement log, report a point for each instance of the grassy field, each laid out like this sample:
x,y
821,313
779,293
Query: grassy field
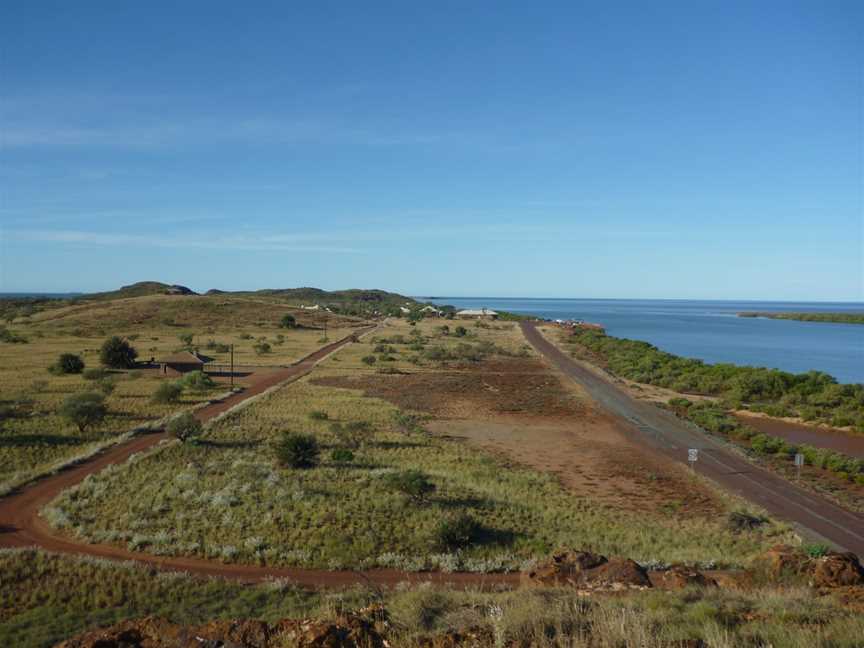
x,y
227,499
33,437
46,598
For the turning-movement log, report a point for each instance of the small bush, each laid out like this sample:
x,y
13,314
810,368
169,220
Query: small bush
x,y
167,392
816,550
184,427
186,339
288,321
740,521
412,483
457,532
298,450
106,386
68,363
262,348
217,347
341,455
245,336
460,331
407,423
318,415
94,374
369,359
10,337
197,382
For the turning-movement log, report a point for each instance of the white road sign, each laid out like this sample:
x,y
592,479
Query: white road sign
x,y
799,459
693,455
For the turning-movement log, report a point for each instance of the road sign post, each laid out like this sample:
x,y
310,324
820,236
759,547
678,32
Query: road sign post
x,y
692,457
799,461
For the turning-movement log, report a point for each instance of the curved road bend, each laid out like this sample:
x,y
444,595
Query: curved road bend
x,y
662,430
21,525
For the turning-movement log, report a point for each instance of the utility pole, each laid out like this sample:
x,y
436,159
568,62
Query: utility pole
x,y
232,367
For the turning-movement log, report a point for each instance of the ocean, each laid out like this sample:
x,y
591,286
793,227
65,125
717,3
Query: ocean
x,y
710,330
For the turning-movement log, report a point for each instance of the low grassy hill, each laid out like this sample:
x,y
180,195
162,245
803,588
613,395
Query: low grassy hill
x,y
139,289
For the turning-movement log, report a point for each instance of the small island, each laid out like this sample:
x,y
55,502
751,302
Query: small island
x,y
834,318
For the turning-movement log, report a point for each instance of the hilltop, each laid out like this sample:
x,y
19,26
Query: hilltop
x,y
139,289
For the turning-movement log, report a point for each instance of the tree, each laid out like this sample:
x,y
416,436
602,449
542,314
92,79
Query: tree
x,y
84,409
184,427
167,392
461,331
117,353
186,339
68,363
412,483
298,450
288,321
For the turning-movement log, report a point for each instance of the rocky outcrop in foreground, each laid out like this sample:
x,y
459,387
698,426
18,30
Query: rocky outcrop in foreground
x,y
833,569
586,570
352,631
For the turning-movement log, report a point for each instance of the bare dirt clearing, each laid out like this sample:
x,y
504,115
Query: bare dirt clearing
x,y
521,410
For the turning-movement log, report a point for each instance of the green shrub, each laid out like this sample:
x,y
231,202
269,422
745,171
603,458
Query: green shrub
x,y
106,386
117,353
460,331
184,427
288,321
318,415
261,348
457,532
407,423
341,455
10,337
816,550
369,359
186,339
412,483
217,347
84,410
68,363
197,382
298,450
167,392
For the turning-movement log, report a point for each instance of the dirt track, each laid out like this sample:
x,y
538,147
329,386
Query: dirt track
x,y
21,525
814,515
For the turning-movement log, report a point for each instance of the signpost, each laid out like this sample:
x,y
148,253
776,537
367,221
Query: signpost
x,y
799,461
692,457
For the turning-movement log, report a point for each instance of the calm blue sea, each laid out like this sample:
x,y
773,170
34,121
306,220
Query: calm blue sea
x,y
710,330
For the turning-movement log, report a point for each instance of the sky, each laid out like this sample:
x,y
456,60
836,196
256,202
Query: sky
x,y
576,149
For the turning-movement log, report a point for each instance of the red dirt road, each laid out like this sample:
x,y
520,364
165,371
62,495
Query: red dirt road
x,y
21,525
814,515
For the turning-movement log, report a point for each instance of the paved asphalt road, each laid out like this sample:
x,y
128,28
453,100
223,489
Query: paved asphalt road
x,y
813,515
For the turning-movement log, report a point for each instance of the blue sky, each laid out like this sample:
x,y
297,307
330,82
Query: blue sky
x,y
662,149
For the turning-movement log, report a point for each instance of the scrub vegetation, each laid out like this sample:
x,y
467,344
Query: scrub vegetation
x,y
813,396
837,318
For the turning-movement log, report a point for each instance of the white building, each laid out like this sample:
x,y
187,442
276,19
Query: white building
x,y
477,313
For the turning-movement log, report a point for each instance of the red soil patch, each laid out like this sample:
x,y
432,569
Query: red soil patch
x,y
522,411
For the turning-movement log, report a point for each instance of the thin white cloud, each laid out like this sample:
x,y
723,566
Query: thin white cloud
x,y
180,241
